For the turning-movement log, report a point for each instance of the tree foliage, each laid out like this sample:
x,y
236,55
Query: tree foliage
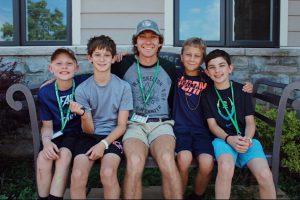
x,y
42,23
7,30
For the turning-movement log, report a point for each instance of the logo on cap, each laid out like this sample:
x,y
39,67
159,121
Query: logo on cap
x,y
147,25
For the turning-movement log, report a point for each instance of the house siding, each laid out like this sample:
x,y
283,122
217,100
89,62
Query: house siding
x,y
117,18
294,23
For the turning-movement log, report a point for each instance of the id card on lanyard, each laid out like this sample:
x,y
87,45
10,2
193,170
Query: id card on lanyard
x,y
63,119
142,117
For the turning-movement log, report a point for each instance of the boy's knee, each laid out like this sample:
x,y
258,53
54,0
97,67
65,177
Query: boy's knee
x,y
184,162
65,154
225,167
107,174
78,175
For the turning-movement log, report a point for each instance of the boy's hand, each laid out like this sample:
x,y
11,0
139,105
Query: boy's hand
x,y
248,87
119,56
96,151
76,108
239,143
50,150
47,82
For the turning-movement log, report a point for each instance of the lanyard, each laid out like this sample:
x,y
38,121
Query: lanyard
x,y
63,119
234,121
146,98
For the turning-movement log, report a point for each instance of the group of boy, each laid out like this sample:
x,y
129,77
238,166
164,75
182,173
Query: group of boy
x,y
124,109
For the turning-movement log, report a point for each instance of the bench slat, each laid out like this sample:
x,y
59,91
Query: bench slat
x,y
265,119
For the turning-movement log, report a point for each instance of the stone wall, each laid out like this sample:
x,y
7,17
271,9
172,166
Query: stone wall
x,y
282,65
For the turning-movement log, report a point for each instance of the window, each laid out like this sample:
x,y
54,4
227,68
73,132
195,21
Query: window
x,y
230,23
35,22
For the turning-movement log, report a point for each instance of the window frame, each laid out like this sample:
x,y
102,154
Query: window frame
x,y
226,25
16,28
274,42
20,31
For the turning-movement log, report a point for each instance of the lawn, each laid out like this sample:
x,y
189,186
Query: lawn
x,y
17,180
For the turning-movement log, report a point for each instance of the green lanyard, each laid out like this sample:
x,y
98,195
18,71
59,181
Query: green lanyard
x,y
146,98
63,119
234,121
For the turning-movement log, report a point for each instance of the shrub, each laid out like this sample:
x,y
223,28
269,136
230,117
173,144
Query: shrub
x,y
290,139
8,76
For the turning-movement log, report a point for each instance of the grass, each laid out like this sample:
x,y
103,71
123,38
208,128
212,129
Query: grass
x,y
17,180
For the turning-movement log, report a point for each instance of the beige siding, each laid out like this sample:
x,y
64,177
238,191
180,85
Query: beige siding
x,y
118,18
294,23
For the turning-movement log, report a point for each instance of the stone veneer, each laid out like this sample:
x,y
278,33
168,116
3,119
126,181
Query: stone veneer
x,y
282,65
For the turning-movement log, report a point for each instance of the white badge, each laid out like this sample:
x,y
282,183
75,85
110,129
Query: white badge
x,y
140,118
57,134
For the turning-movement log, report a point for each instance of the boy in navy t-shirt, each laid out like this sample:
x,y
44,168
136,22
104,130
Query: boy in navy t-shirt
x,y
230,116
193,138
60,127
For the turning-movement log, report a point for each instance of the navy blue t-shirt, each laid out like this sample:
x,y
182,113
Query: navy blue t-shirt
x,y
187,111
49,109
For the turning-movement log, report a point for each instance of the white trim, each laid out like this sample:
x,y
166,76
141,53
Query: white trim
x,y
284,15
76,22
169,23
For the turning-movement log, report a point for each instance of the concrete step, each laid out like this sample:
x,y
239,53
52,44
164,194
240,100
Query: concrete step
x,y
155,192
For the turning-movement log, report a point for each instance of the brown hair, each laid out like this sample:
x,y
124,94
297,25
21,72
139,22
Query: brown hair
x,y
101,42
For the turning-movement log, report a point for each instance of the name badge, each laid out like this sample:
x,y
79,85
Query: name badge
x,y
140,118
57,134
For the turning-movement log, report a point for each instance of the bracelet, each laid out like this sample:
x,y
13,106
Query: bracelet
x,y
46,136
83,111
105,143
227,138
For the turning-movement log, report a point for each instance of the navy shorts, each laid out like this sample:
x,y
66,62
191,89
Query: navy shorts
x,y
86,141
195,142
68,140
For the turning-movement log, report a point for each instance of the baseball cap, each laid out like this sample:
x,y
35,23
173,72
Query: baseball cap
x,y
63,50
147,24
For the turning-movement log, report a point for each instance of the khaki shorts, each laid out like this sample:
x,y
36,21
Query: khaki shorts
x,y
147,132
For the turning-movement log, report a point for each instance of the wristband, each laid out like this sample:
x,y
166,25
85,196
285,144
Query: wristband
x,y
105,143
46,136
83,111
227,138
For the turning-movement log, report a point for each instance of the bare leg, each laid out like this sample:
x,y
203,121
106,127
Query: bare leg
x,y
184,160
61,173
79,177
206,165
44,175
260,169
108,174
136,153
224,177
162,149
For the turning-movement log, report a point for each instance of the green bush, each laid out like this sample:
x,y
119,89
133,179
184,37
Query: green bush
x,y
290,139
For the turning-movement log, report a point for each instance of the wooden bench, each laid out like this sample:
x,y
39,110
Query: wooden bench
x,y
282,100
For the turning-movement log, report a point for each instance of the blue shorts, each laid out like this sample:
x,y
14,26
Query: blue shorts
x,y
197,143
240,159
